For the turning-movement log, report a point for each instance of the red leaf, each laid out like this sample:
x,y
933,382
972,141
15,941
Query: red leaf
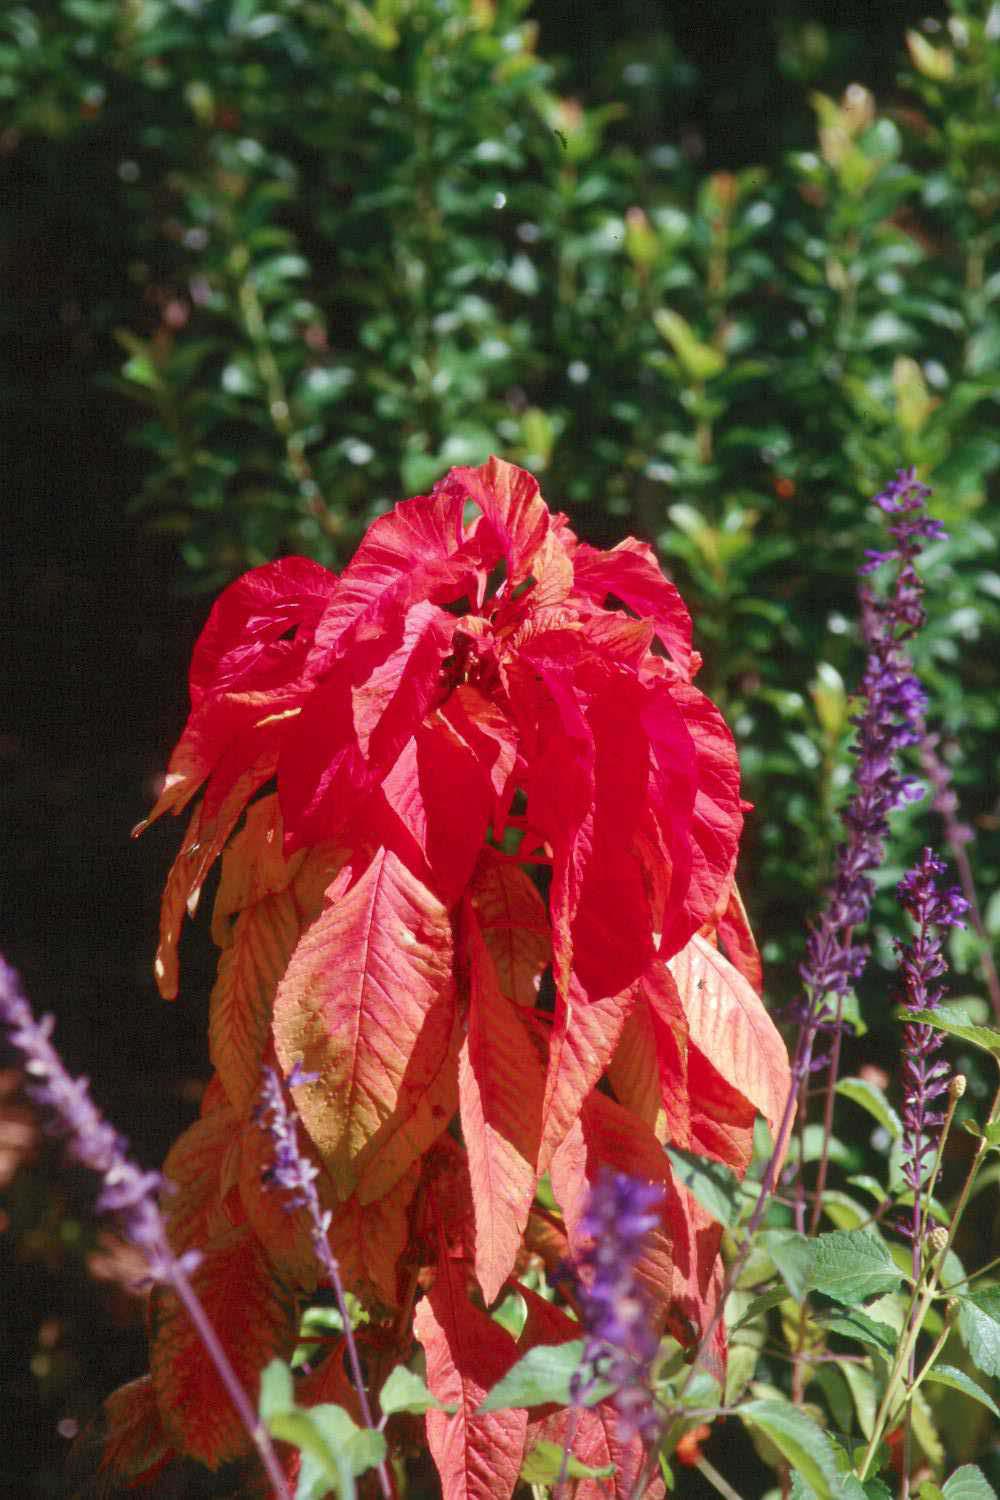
x,y
358,720
510,500
135,1446
584,1037
438,801
501,1081
253,1318
632,573
738,941
367,1002
731,1029
514,924
695,1238
242,671
253,866
477,1457
717,816
415,553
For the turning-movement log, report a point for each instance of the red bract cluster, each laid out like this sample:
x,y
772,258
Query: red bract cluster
x,y
483,904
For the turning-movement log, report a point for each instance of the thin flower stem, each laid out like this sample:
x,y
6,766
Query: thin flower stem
x,y
128,1192
832,1075
296,1176
711,1473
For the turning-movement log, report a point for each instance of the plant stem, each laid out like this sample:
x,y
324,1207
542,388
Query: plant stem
x,y
714,1478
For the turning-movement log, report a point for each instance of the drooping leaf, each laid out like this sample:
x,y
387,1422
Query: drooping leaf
x,y
584,1037
871,1098
478,1454
514,924
368,1239
739,942
239,1018
805,1446
367,1003
959,1381
730,1027
252,1315
852,1265
855,1324
357,721
501,1083
284,1231
633,1073
979,1325
194,1169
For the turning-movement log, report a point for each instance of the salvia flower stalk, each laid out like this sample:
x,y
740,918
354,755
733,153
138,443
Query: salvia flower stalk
x,y
127,1191
925,1073
621,1342
295,1176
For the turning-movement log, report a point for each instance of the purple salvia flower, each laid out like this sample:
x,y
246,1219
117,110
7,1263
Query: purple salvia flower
x,y
621,1341
922,963
127,1191
891,720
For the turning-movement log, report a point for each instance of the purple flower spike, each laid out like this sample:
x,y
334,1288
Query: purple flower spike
x,y
925,1073
621,1343
892,719
127,1191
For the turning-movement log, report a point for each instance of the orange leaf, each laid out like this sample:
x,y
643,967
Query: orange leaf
x,y
368,1240
501,1082
253,1318
367,1002
477,1457
194,1166
253,866
730,1027
239,1015
285,1232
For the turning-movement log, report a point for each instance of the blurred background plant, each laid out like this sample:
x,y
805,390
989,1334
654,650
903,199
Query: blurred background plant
x,y
273,264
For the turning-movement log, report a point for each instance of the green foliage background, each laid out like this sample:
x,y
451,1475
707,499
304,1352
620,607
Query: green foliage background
x,y
308,254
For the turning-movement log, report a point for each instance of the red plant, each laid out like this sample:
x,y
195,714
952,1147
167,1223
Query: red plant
x,y
483,905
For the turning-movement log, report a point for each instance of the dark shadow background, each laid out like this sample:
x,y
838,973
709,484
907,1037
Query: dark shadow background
x,y
98,631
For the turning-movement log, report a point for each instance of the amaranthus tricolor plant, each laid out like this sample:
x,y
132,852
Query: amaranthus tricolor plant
x,y
478,833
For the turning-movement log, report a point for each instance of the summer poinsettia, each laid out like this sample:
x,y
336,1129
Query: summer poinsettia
x,y
485,761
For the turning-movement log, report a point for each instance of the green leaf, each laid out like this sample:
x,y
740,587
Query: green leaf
x,y
405,1391
759,1305
277,1390
797,1439
968,1483
855,1324
716,1187
852,1265
959,1381
792,1254
544,1464
956,1024
700,361
979,1327
871,1098
844,1211
542,1375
